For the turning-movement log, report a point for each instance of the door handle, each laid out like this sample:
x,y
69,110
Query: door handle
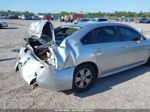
x,y
99,51
128,46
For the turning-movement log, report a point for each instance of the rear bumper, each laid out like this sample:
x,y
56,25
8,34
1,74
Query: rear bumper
x,y
46,76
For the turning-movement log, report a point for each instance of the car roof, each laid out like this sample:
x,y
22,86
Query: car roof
x,y
95,24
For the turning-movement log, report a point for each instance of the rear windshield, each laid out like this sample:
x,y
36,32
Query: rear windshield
x,y
62,32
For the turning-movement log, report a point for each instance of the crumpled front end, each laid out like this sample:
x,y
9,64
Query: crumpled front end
x,y
37,71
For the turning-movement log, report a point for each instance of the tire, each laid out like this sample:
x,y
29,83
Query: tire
x,y
148,62
0,26
83,78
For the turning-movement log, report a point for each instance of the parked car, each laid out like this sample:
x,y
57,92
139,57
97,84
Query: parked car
x,y
141,20
12,17
101,20
146,21
3,16
73,56
25,17
47,18
131,19
3,24
35,18
82,20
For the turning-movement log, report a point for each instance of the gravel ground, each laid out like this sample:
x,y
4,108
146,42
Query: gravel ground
x,y
126,90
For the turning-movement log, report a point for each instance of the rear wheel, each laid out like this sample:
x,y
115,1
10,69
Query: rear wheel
x,y
84,77
148,62
0,26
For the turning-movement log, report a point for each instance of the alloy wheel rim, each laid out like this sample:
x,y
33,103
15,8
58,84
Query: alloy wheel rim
x,y
83,78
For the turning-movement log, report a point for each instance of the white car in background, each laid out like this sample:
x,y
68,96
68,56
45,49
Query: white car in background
x,y
3,24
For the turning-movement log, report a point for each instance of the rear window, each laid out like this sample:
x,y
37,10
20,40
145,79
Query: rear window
x,y
66,31
62,32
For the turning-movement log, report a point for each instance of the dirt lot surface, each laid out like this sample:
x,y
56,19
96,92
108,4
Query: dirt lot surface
x,y
126,90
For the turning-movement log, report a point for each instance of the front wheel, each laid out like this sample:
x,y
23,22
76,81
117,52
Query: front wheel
x,y
84,77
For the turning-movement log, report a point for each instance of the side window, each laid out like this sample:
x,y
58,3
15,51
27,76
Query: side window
x,y
87,39
128,34
105,35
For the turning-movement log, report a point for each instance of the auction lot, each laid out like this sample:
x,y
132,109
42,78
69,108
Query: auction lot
x,y
126,90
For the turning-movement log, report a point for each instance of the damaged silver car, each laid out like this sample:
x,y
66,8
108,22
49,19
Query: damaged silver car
x,y
73,56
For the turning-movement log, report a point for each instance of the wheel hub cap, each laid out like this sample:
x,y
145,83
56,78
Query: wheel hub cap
x,y
83,78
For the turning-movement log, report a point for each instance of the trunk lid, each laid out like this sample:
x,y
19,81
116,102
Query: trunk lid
x,y
40,28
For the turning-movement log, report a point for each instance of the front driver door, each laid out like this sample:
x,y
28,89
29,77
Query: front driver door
x,y
134,46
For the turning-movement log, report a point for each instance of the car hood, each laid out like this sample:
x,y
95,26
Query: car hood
x,y
44,27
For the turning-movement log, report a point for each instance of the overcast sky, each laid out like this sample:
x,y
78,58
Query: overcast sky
x,y
55,6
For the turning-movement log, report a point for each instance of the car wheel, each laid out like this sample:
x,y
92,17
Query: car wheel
x,y
84,77
148,62
0,26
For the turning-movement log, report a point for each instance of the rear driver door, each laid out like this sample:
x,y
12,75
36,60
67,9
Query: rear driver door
x,y
134,46
108,48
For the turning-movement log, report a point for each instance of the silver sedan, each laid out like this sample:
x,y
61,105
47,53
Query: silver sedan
x,y
73,56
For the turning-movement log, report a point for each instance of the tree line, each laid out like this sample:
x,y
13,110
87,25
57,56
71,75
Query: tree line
x,y
120,14
9,12
116,14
